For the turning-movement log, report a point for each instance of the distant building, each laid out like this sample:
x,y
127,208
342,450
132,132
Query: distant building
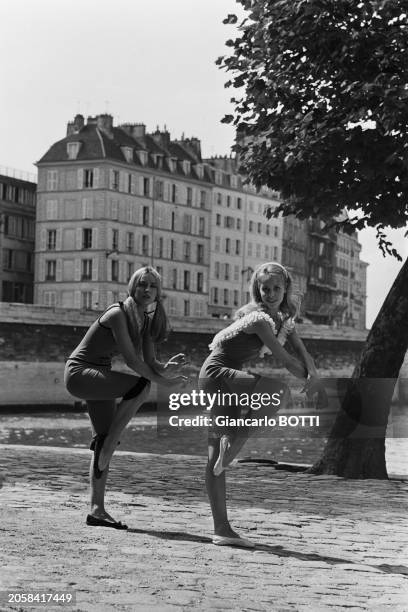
x,y
351,281
320,306
17,228
241,236
294,255
112,199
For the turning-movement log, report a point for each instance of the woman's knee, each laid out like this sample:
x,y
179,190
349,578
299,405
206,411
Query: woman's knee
x,y
140,390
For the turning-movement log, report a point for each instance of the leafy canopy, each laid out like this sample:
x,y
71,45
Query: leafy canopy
x,y
323,117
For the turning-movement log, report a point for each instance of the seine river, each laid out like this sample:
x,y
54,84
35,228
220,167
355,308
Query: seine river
x,y
288,443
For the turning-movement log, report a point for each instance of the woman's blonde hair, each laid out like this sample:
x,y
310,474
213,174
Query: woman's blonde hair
x,y
260,275
159,326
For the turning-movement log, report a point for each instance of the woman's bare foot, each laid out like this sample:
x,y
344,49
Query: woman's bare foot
x,y
102,514
220,464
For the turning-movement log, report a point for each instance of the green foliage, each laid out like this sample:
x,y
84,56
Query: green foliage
x,y
323,111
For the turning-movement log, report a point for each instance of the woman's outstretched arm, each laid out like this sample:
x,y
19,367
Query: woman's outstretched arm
x,y
301,350
118,325
265,333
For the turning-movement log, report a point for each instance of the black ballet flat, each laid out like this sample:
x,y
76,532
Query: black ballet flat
x,y
93,521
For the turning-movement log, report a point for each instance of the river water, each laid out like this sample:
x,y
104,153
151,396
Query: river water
x,y
289,444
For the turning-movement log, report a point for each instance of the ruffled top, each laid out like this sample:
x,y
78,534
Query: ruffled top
x,y
286,328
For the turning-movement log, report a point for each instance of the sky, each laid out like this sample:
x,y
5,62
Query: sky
x,y
143,61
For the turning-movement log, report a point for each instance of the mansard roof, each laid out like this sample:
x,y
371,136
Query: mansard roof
x,y
98,144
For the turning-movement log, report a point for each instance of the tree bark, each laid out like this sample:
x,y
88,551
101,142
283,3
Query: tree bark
x,y
356,444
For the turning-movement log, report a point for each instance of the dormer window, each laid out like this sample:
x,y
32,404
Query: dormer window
x,y
158,160
173,164
218,177
200,171
73,149
234,180
128,153
143,156
186,166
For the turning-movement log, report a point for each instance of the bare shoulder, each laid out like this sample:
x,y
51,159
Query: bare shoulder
x,y
113,316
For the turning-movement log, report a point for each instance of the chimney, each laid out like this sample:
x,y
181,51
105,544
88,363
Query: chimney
x,y
75,126
136,130
139,131
193,147
161,138
105,123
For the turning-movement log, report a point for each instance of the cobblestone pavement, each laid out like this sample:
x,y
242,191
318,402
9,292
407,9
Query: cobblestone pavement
x,y
323,543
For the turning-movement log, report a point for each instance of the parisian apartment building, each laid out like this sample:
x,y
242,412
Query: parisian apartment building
x,y
111,199
17,230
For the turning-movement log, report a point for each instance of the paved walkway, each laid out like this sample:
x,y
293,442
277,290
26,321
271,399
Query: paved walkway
x,y
323,543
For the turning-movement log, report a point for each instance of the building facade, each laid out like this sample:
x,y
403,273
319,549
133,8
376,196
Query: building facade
x,y
112,199
17,229
294,256
241,236
351,281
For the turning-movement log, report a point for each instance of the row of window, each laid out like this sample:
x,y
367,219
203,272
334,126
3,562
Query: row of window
x,y
17,226
225,296
124,182
232,223
87,270
17,260
90,300
12,291
16,194
86,238
174,221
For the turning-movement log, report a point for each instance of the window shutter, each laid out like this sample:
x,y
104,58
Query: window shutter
x,y
77,271
95,265
80,177
43,239
79,238
194,225
133,187
58,242
58,270
140,181
97,178
77,299
111,178
95,238
129,212
84,208
41,270
109,272
167,191
95,300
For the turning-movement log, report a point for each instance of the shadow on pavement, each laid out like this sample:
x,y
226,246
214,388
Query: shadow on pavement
x,y
173,535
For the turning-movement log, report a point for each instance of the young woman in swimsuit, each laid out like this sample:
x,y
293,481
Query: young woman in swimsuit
x,y
266,321
126,328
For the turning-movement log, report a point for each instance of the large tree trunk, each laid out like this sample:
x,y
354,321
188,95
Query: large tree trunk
x,y
356,444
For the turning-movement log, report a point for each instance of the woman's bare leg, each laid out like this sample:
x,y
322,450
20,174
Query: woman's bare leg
x,y
125,411
216,490
101,414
